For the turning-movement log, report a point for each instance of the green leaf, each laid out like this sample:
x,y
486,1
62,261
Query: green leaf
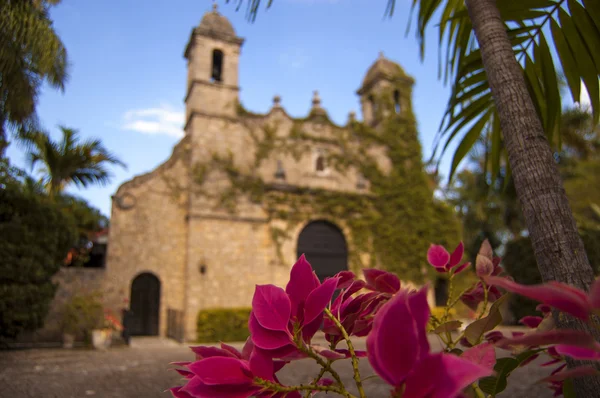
x,y
568,389
494,385
496,147
535,90
475,331
468,141
470,63
456,351
589,33
447,327
470,94
593,9
526,355
569,66
471,80
551,91
466,116
584,60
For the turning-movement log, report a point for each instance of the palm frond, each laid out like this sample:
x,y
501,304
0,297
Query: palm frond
x,y
30,53
535,27
70,160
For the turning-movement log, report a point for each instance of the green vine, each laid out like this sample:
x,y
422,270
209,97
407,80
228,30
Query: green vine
x,y
393,222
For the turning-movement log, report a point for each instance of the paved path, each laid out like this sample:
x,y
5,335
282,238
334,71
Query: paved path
x,y
142,371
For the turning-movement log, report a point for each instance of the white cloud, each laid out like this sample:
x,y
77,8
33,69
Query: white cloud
x,y
162,120
295,60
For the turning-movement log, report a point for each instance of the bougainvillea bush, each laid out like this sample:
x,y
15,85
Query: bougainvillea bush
x,y
396,322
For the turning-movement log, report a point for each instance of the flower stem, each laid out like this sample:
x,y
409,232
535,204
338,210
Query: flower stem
x,y
325,365
459,296
270,386
485,300
357,378
319,376
450,291
450,342
478,391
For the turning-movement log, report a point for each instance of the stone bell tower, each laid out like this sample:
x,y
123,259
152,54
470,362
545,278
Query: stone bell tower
x,y
385,89
213,54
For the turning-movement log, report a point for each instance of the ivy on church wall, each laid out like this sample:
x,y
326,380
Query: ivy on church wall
x,y
393,223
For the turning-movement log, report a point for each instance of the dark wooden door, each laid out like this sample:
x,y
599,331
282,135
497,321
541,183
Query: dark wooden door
x,y
145,305
324,246
441,292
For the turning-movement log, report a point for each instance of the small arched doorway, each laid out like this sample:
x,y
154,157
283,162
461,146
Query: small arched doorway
x,y
325,248
441,292
145,305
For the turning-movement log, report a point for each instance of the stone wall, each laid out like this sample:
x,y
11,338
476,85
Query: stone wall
x,y
148,233
71,281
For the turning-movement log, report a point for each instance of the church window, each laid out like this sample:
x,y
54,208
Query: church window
x,y
373,105
397,101
217,66
320,163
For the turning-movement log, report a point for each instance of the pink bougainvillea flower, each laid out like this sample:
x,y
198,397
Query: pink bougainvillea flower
x,y
556,357
476,295
277,314
544,309
555,294
557,377
381,281
575,352
327,353
226,372
483,354
399,352
345,279
484,262
355,313
443,261
571,373
531,321
553,337
177,393
493,336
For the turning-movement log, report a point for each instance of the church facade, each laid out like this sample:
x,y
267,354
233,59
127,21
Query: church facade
x,y
182,240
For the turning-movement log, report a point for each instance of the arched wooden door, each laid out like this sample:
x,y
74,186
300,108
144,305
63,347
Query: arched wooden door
x,y
145,305
325,248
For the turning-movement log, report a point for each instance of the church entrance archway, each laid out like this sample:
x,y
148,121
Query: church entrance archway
x,y
145,305
325,248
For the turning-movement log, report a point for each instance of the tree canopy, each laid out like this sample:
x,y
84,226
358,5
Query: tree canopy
x,y
70,160
31,53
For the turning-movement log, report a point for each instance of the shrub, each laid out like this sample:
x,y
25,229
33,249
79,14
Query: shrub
x,y
35,237
519,262
82,314
222,324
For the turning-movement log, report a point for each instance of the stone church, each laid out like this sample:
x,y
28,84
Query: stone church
x,y
173,251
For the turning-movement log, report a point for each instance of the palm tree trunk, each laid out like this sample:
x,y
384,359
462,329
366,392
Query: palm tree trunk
x,y
558,248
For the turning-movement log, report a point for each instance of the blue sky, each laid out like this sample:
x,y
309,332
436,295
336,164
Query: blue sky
x,y
127,75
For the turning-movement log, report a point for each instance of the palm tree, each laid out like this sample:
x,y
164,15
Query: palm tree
x,y
504,77
31,53
70,160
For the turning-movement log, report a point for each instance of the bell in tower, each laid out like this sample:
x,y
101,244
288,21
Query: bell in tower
x,y
213,59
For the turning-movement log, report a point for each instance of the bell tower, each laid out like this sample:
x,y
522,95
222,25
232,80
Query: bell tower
x,y
386,89
213,54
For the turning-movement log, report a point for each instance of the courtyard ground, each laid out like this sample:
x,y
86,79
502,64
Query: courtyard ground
x,y
142,370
